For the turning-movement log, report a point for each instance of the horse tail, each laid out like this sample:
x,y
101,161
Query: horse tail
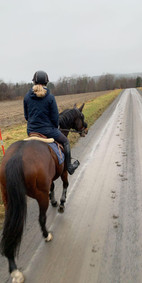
x,y
16,209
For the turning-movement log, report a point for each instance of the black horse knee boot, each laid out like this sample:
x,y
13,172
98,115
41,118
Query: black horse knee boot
x,y
70,167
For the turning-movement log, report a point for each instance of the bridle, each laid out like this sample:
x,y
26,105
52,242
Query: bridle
x,y
73,131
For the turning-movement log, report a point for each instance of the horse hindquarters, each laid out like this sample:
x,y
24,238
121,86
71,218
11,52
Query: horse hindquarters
x,y
16,209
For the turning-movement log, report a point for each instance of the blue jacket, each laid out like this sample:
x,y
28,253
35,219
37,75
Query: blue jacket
x,y
41,113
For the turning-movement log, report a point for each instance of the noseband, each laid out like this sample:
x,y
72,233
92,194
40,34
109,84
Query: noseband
x,y
73,131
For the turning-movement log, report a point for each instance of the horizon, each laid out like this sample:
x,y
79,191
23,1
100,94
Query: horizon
x,y
133,74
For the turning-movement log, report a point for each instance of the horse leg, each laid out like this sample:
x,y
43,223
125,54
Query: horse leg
x,y
17,276
52,196
43,202
64,178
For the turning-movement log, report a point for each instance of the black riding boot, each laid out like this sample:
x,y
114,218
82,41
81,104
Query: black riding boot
x,y
70,167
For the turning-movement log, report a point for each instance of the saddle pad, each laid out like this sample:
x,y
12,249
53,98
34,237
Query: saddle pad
x,y
39,139
58,152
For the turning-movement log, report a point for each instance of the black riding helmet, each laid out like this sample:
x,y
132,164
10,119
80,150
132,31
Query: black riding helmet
x,y
40,77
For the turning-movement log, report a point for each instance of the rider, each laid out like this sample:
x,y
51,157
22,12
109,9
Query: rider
x,y
41,113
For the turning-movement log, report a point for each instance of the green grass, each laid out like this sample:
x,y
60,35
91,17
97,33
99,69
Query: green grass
x,y
92,111
95,109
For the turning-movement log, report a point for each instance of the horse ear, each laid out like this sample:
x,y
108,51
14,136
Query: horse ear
x,y
81,107
75,106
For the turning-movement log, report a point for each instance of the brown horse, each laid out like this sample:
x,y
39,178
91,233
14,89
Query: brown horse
x,y
30,168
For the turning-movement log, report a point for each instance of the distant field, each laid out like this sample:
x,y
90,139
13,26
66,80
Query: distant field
x,y
11,112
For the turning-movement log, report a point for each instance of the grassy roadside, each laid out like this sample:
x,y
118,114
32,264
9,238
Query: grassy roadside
x,y
92,111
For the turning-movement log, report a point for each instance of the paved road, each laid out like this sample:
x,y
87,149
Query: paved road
x,y
99,237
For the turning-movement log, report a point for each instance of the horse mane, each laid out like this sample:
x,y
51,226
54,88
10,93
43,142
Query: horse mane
x,y
66,118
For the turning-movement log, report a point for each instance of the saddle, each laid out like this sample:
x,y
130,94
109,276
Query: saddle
x,y
57,147
40,137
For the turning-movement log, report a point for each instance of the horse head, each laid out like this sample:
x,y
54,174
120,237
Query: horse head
x,y
73,119
79,124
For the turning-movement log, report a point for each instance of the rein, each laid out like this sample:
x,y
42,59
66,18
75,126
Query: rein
x,y
72,131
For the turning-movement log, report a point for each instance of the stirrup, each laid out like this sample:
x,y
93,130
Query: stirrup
x,y
73,167
76,163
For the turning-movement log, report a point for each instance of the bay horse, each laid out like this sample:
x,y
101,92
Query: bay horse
x,y
29,168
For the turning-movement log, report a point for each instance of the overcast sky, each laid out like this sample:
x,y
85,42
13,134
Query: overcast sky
x,y
65,38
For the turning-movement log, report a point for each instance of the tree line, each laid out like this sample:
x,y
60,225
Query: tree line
x,y
72,85
9,91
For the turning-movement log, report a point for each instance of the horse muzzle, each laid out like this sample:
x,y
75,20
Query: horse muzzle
x,y
84,132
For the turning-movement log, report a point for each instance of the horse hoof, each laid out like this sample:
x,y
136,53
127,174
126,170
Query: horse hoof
x,y
17,276
54,204
61,209
49,238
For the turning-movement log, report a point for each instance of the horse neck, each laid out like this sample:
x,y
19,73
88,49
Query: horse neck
x,y
66,119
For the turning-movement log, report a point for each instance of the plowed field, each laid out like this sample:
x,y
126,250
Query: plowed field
x,y
11,112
